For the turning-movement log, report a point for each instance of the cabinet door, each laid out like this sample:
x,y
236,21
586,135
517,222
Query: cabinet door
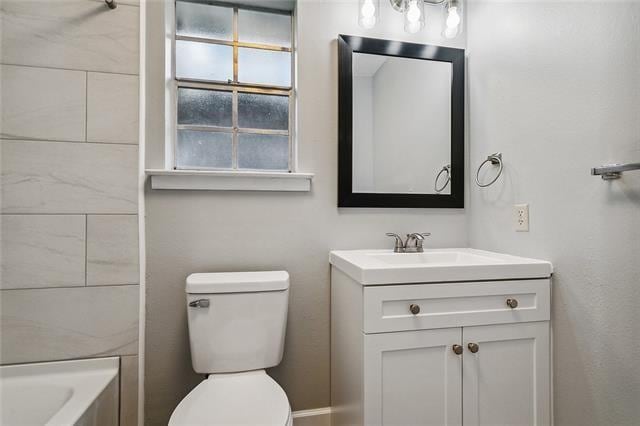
x,y
413,378
507,381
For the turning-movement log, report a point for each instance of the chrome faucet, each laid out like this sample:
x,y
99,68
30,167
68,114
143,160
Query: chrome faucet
x,y
413,243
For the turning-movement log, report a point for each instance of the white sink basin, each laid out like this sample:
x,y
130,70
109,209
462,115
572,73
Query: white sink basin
x,y
371,267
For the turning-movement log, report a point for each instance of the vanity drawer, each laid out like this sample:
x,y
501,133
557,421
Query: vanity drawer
x,y
388,307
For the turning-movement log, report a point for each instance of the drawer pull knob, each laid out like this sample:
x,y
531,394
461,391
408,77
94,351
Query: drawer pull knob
x,y
473,347
457,349
415,309
512,303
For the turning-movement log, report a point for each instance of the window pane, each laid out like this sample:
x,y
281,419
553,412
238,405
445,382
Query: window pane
x,y
263,111
264,67
201,20
204,107
264,28
203,61
203,149
266,152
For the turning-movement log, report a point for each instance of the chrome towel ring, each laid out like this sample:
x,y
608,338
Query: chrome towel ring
x,y
495,159
446,169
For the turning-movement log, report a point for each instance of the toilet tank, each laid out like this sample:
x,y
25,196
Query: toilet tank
x,y
237,320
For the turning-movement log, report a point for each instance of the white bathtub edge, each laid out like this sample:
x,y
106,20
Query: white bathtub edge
x,y
88,378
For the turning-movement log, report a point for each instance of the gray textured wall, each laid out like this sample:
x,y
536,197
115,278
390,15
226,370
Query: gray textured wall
x,y
556,88
224,231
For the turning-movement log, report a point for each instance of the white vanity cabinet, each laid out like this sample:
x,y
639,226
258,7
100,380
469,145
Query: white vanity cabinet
x,y
446,353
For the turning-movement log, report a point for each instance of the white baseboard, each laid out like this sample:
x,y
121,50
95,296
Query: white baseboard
x,y
315,417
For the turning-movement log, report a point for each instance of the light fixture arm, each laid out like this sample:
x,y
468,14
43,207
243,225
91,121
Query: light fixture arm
x,y
400,5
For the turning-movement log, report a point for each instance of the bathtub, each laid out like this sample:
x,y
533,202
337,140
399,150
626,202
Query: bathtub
x,y
82,392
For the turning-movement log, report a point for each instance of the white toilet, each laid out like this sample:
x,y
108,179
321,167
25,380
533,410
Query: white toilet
x,y
237,325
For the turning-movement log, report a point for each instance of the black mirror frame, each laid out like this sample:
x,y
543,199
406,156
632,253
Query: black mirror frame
x,y
347,45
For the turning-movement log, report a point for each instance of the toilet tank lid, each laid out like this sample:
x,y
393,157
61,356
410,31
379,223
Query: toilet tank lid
x,y
237,282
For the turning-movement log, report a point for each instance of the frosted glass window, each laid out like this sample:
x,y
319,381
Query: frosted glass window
x,y
204,150
238,115
204,61
267,67
265,152
203,20
256,111
205,107
264,28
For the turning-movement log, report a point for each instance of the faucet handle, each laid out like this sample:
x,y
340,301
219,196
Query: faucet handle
x,y
399,245
416,238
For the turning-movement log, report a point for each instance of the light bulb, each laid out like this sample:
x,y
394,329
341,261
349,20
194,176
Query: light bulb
x,y
453,18
414,16
368,9
413,13
368,14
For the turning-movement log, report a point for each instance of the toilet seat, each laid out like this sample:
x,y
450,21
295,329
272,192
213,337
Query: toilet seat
x,y
247,398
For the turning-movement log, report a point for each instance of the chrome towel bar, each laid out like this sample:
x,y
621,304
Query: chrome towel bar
x,y
613,171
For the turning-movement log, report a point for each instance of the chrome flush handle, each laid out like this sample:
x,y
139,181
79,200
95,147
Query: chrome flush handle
x,y
200,303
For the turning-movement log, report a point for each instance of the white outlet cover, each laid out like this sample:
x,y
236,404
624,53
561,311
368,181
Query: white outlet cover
x,y
521,217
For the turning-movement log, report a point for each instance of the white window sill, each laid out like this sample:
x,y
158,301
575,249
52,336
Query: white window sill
x,y
229,181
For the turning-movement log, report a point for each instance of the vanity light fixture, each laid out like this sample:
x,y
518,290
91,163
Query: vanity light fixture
x,y
414,14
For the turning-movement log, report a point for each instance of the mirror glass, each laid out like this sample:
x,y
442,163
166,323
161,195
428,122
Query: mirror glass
x,y
401,124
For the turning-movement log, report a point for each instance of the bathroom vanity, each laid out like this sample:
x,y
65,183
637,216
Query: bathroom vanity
x,y
444,337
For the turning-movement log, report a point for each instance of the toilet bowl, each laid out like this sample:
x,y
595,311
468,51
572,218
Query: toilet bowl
x,y
237,325
249,398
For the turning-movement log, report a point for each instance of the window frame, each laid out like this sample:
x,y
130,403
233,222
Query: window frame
x,y
235,87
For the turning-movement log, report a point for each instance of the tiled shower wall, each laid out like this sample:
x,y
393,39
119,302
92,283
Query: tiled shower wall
x,y
69,163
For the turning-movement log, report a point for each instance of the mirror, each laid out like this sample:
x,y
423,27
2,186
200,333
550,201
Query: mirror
x,y
401,124
401,139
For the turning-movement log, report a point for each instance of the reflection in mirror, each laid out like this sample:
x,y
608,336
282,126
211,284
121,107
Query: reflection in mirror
x,y
401,124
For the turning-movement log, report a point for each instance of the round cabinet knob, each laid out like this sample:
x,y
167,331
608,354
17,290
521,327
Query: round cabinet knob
x,y
457,349
473,347
512,303
415,309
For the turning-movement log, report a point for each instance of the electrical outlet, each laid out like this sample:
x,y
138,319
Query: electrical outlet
x,y
521,217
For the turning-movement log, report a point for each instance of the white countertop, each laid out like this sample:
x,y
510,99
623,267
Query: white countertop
x,y
375,267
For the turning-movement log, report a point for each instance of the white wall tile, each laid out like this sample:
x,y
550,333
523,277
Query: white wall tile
x,y
112,249
112,108
62,323
43,103
129,391
48,177
76,34
42,251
